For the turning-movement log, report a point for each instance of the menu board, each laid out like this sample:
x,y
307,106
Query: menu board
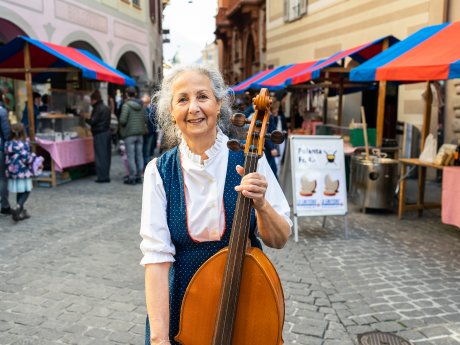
x,y
318,175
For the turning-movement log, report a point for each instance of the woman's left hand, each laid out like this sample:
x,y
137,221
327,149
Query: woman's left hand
x,y
253,186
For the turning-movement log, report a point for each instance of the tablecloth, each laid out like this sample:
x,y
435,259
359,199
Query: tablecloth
x,y
451,196
69,153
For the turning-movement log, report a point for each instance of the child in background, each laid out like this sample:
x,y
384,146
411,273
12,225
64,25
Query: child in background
x,y
19,161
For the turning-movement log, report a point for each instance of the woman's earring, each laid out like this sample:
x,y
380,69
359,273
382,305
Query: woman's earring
x,y
218,115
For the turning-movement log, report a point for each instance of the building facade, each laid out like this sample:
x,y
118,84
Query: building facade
x,y
304,30
210,55
126,34
240,36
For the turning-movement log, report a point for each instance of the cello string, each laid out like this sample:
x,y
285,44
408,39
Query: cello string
x,y
245,204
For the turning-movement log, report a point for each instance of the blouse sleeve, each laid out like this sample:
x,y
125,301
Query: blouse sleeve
x,y
274,194
156,242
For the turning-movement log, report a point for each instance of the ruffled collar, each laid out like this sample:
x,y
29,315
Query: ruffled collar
x,y
212,152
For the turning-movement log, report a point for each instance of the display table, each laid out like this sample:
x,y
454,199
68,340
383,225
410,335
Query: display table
x,y
66,153
450,195
421,205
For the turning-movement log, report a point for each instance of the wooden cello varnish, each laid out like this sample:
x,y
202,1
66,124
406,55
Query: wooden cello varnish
x,y
236,297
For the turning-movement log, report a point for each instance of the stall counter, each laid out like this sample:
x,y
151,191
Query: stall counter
x,y
67,153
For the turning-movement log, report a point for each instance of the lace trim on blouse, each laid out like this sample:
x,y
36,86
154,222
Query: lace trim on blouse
x,y
212,152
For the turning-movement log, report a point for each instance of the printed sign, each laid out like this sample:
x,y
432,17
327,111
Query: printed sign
x,y
318,175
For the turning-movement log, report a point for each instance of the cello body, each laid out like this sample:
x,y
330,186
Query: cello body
x,y
260,312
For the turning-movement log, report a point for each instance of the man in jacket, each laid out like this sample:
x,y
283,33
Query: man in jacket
x,y
4,135
100,127
132,128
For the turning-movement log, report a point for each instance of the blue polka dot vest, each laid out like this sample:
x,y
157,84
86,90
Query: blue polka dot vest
x,y
190,255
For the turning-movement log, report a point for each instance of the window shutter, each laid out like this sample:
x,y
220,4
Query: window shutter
x,y
287,9
294,9
303,7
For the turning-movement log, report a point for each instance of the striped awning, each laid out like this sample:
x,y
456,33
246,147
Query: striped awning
x,y
359,54
277,79
432,53
246,84
46,55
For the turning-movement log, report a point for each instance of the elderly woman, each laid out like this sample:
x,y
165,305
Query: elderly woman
x,y
190,193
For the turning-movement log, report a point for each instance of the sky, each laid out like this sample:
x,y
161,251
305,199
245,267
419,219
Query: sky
x,y
192,24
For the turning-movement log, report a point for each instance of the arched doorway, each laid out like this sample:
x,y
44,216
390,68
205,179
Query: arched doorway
x,y
131,64
8,31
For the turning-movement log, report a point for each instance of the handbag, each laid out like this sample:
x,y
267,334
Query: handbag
x,y
37,165
429,150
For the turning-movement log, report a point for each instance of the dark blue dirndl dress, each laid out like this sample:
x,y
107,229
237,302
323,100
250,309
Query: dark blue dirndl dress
x,y
190,255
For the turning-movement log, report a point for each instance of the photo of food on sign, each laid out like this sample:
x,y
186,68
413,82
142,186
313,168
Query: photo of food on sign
x,y
331,187
307,187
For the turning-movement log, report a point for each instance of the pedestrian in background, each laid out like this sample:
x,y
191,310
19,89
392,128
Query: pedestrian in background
x,y
100,128
44,106
150,139
132,128
19,169
4,135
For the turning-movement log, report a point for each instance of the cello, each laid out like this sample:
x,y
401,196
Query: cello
x,y
236,296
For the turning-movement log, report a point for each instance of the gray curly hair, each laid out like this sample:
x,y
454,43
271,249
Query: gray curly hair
x,y
163,101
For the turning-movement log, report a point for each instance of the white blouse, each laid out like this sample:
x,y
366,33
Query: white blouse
x,y
204,191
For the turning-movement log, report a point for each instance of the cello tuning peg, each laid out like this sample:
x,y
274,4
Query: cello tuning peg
x,y
239,120
234,145
277,137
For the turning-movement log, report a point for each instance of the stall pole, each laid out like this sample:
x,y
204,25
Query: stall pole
x,y
425,132
381,112
381,103
339,113
30,100
326,95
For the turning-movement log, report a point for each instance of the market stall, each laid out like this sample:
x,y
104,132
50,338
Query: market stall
x,y
36,61
246,84
427,55
333,71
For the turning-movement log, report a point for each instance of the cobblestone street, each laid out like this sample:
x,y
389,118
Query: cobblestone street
x,y
71,273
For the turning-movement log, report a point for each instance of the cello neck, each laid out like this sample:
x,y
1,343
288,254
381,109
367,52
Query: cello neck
x,y
228,302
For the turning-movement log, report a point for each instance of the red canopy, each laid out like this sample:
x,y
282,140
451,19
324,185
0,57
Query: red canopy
x,y
359,53
277,79
246,84
48,56
432,53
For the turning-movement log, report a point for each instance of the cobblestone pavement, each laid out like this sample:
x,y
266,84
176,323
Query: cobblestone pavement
x,y
71,273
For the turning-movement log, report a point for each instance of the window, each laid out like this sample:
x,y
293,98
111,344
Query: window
x,y
294,9
136,3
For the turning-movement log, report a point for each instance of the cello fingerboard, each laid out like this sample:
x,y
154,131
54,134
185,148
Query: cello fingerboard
x,y
229,294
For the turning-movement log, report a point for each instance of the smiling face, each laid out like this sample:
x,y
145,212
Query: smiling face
x,y
194,109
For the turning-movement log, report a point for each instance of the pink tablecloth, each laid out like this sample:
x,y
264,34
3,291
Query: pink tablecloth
x,y
69,153
451,196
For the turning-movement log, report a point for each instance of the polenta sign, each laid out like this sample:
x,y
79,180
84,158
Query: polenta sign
x,y
318,176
